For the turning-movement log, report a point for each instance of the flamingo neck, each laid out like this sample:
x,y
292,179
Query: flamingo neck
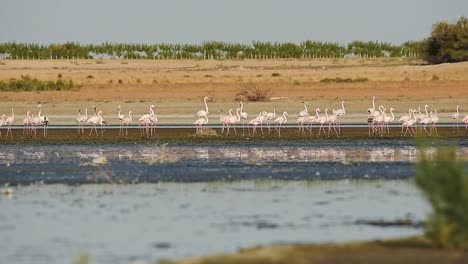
x,y
317,113
373,102
206,117
12,113
342,105
206,105
425,108
285,118
86,112
393,116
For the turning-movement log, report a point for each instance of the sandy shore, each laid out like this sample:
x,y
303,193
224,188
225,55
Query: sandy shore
x,y
177,87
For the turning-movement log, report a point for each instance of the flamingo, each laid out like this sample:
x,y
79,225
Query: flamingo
x,y
305,112
405,118
2,123
455,117
425,121
94,120
199,125
410,123
125,121
154,121
434,120
244,117
225,120
27,122
120,117
465,120
339,113
143,120
257,121
9,121
35,121
203,112
331,119
81,119
232,121
378,120
280,121
43,119
388,119
321,120
310,120
300,123
372,110
270,117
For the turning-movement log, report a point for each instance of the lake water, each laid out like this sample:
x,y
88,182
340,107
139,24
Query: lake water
x,y
124,223
192,200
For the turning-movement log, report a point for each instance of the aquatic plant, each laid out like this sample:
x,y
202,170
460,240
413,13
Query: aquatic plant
x,y
443,182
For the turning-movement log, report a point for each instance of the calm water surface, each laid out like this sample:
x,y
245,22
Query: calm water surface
x,y
53,224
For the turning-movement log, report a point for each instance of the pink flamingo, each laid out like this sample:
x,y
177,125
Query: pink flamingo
x,y
434,120
2,123
27,123
94,120
310,120
9,121
405,118
232,121
80,120
455,117
340,113
202,112
425,121
144,122
409,124
44,120
280,121
225,120
300,123
331,119
244,116
465,120
304,112
321,120
257,121
388,119
199,125
270,117
126,121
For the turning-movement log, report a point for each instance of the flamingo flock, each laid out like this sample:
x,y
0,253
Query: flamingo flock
x,y
328,122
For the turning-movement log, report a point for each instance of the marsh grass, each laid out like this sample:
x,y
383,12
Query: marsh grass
x,y
26,83
445,185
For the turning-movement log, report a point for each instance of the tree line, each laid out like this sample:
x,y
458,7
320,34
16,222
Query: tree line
x,y
210,50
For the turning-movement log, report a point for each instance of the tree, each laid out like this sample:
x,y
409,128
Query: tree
x,y
447,42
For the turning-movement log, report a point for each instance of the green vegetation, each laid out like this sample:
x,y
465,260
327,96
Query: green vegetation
x,y
344,80
26,83
447,43
443,182
209,50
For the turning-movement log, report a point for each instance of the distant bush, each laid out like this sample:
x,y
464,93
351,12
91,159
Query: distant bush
x,y
251,92
344,80
275,74
444,184
26,83
447,42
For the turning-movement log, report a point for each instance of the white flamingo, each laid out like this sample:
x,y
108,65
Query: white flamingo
x,y
332,119
321,120
144,120
455,117
425,121
280,121
339,114
205,112
44,120
232,121
405,118
372,110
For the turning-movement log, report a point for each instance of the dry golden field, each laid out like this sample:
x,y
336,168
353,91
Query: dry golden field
x,y
178,86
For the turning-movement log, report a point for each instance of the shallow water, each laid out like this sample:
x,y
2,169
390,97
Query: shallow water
x,y
75,164
123,223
